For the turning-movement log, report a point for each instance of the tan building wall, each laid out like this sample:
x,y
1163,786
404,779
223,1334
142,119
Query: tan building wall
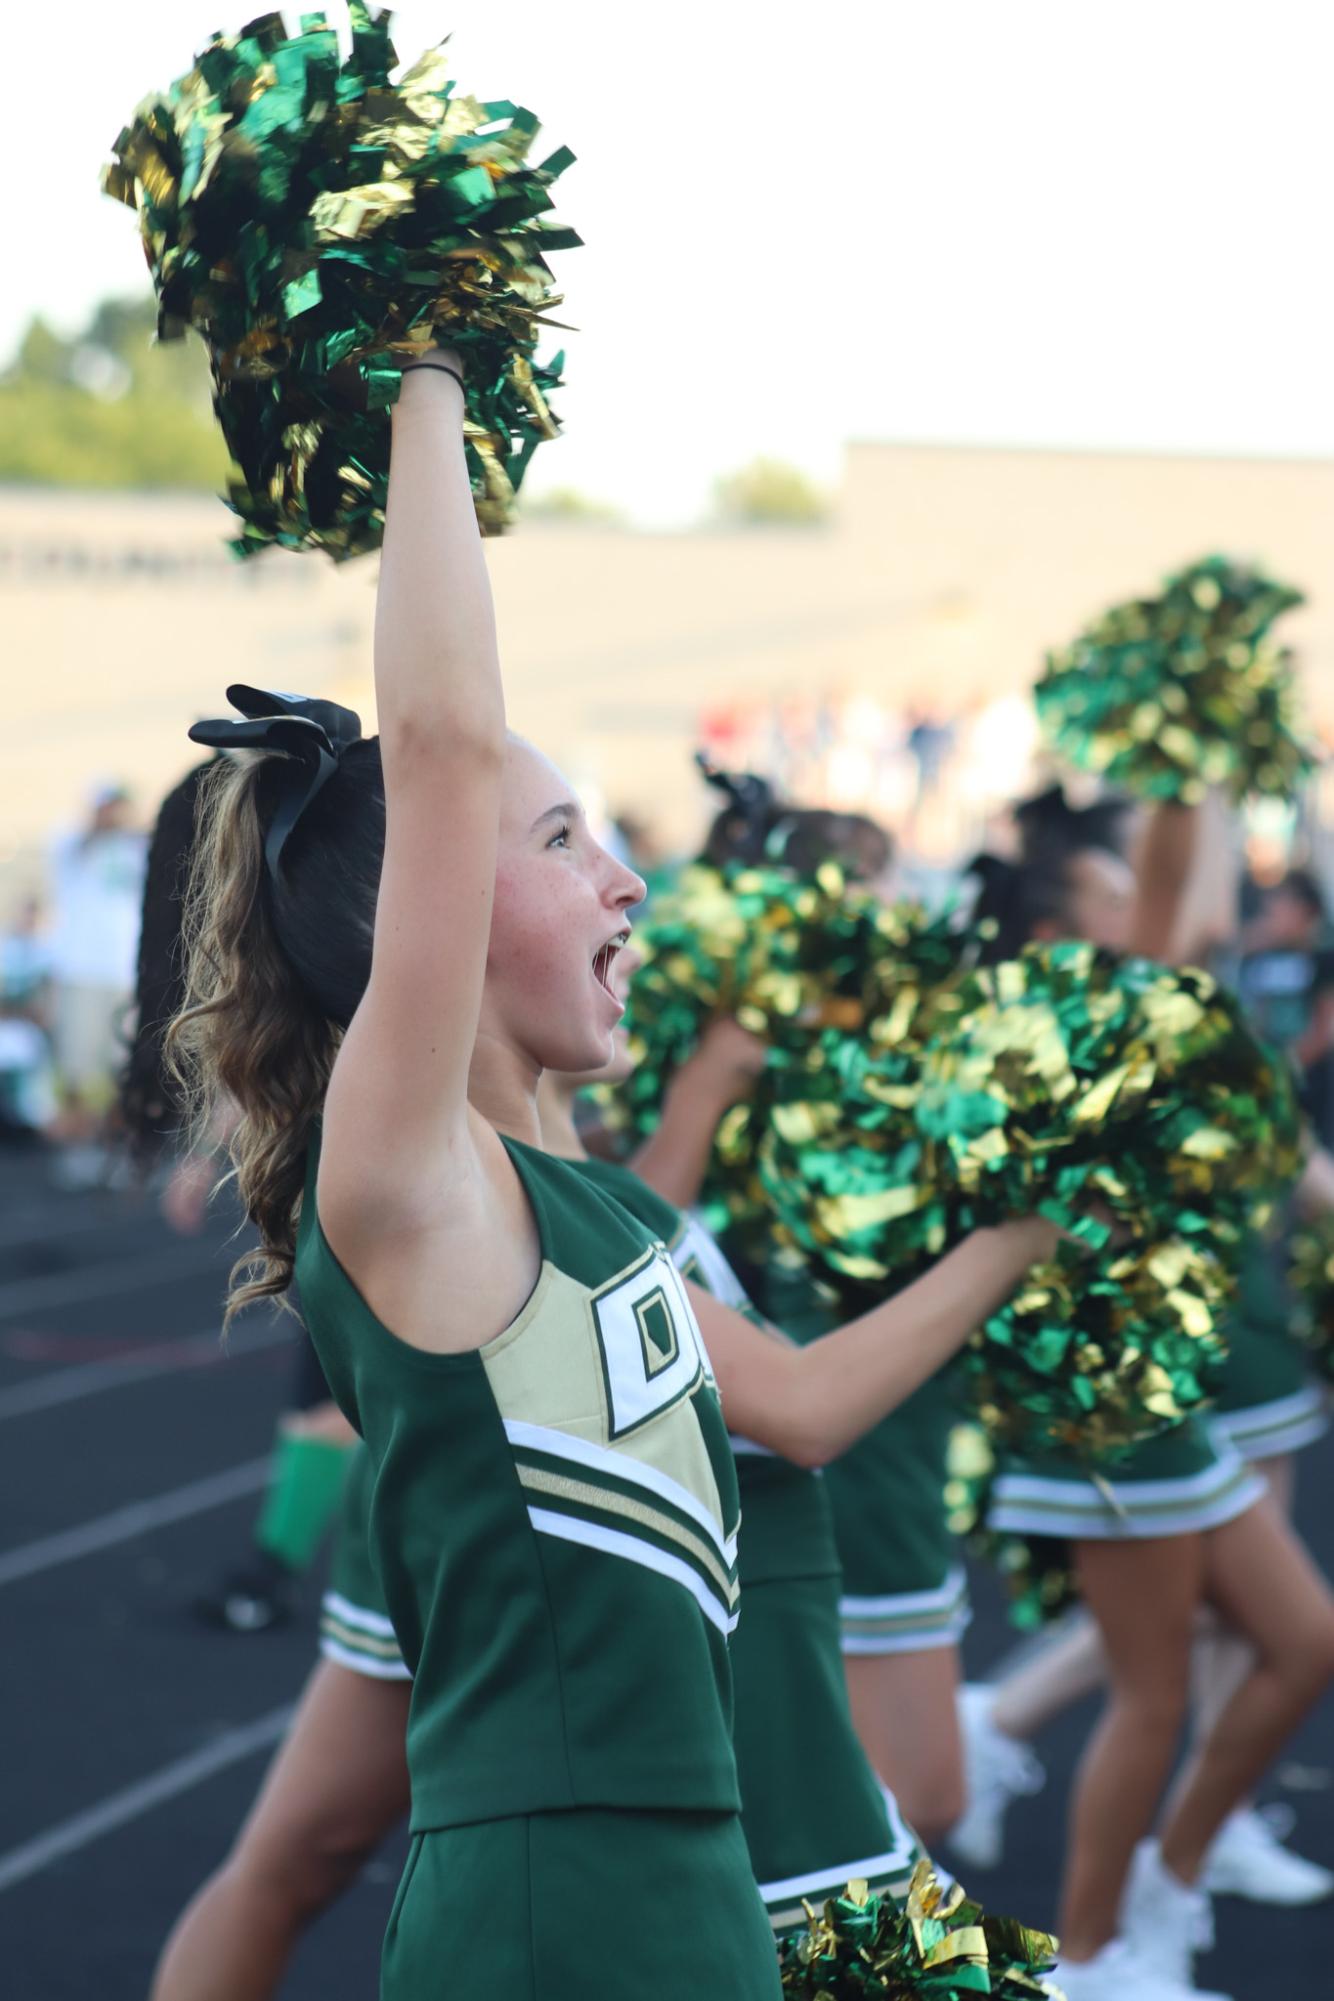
x,y
942,576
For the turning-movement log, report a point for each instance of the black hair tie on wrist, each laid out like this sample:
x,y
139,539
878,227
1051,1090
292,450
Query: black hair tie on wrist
x,y
436,368
314,734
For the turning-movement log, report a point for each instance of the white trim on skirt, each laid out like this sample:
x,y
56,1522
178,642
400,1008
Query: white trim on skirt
x,y
907,1622
1283,1424
1125,1510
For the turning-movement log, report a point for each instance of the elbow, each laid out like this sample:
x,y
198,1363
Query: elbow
x,y
809,1450
809,1441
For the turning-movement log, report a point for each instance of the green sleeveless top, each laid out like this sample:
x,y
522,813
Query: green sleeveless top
x,y
787,1523
553,1522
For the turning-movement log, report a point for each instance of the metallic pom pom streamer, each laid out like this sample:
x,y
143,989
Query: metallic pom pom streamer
x,y
1036,1571
1046,1084
1311,1274
938,1946
320,224
785,955
1097,1352
1171,695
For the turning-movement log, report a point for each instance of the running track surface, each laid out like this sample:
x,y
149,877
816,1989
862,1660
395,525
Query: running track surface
x,y
131,1455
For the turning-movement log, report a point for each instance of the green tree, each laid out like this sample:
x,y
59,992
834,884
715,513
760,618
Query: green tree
x,y
42,355
768,493
110,408
566,503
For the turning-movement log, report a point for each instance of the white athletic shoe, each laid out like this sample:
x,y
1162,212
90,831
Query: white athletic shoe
x,y
1165,1921
1120,1973
997,1770
1248,1859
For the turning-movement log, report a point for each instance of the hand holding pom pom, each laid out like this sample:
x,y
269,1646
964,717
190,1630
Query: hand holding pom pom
x,y
320,225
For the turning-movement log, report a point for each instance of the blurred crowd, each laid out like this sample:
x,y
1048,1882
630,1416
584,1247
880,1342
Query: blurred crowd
x,y
67,973
917,791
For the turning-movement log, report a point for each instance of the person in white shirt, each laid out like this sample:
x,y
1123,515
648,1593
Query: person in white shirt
x,y
96,889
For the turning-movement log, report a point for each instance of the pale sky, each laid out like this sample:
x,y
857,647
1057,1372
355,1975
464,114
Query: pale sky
x,y
1104,223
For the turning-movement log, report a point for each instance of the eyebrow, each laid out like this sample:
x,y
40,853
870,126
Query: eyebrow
x,y
567,810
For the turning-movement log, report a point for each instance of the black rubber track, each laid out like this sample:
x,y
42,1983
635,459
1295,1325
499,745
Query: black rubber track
x,y
112,1393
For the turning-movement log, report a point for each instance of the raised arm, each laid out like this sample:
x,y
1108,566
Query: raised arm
x,y
722,1071
810,1404
1164,871
399,1092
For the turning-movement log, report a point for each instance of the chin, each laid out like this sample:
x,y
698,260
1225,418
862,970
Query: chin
x,y
586,1056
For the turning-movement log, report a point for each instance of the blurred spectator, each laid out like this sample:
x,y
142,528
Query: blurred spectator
x,y
25,962
930,741
27,1095
97,883
1287,984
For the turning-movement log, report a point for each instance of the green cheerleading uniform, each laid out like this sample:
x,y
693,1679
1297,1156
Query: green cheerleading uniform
x,y
1196,1476
1267,1403
356,1630
552,1519
904,1587
1180,1483
814,1815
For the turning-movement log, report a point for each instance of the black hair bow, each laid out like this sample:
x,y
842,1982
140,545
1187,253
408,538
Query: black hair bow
x,y
313,734
750,794
1049,816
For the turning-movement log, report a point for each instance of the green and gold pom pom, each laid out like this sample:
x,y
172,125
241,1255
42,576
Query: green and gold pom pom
x,y
1047,1084
848,1174
776,951
791,958
1171,695
1311,1275
1037,1572
319,223
1069,1072
939,1945
1098,1351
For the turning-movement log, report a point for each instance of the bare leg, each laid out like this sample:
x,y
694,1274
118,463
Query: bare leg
x,y
905,1709
1055,1677
1223,1659
337,1786
1143,1595
1265,1586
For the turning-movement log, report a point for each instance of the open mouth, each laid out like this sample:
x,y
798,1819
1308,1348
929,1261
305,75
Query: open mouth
x,y
604,959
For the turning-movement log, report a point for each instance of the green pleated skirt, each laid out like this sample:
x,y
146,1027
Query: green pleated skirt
x,y
814,1814
568,1906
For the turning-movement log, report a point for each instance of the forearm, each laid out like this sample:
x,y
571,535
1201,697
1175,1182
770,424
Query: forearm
x,y
675,1159
1314,1193
1166,860
810,1404
436,664
859,1373
1318,1037
1209,903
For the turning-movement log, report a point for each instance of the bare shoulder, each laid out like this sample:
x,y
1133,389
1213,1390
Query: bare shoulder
x,y
444,1257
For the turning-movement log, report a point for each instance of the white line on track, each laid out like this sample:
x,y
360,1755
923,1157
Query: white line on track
x,y
68,1836
141,1365
136,1518
126,1274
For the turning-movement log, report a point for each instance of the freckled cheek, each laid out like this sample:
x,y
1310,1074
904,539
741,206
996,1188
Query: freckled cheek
x,y
526,934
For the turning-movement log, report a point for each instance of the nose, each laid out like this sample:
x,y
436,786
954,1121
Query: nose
x,y
624,888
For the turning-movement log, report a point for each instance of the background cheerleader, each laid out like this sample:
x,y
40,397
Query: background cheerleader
x,y
1180,1524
